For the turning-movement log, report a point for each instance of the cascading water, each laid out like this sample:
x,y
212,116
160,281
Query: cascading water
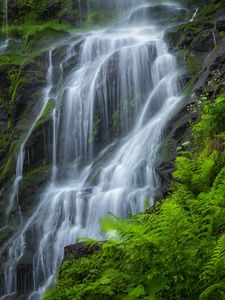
x,y
110,118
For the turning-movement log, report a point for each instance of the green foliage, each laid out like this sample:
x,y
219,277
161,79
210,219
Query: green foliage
x,y
212,121
47,114
173,251
97,126
34,9
210,8
193,65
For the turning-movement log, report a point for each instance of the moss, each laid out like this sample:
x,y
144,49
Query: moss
x,y
116,123
9,59
32,175
47,114
14,87
100,17
5,140
5,233
210,9
34,10
189,87
164,151
9,68
193,64
97,126
128,103
43,37
33,181
7,168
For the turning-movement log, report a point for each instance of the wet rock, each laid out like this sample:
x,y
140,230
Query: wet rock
x,y
69,64
24,278
59,54
204,42
156,13
80,250
173,36
51,8
32,185
214,61
38,150
44,37
71,18
30,83
83,5
5,233
181,36
3,116
109,81
220,25
178,131
77,14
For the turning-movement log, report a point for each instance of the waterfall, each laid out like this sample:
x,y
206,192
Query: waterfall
x,y
214,38
112,113
194,15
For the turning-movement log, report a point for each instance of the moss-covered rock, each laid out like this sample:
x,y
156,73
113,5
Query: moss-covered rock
x,y
5,232
38,150
32,184
44,37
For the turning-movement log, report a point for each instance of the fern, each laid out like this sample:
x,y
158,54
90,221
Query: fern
x,y
214,292
215,268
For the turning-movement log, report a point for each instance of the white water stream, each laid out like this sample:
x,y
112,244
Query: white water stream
x,y
127,82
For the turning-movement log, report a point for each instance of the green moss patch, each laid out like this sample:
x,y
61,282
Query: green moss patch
x,y
47,114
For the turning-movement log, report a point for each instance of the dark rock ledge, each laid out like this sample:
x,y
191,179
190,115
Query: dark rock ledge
x,y
80,250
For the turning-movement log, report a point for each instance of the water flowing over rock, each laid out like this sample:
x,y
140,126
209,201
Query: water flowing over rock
x,y
112,108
